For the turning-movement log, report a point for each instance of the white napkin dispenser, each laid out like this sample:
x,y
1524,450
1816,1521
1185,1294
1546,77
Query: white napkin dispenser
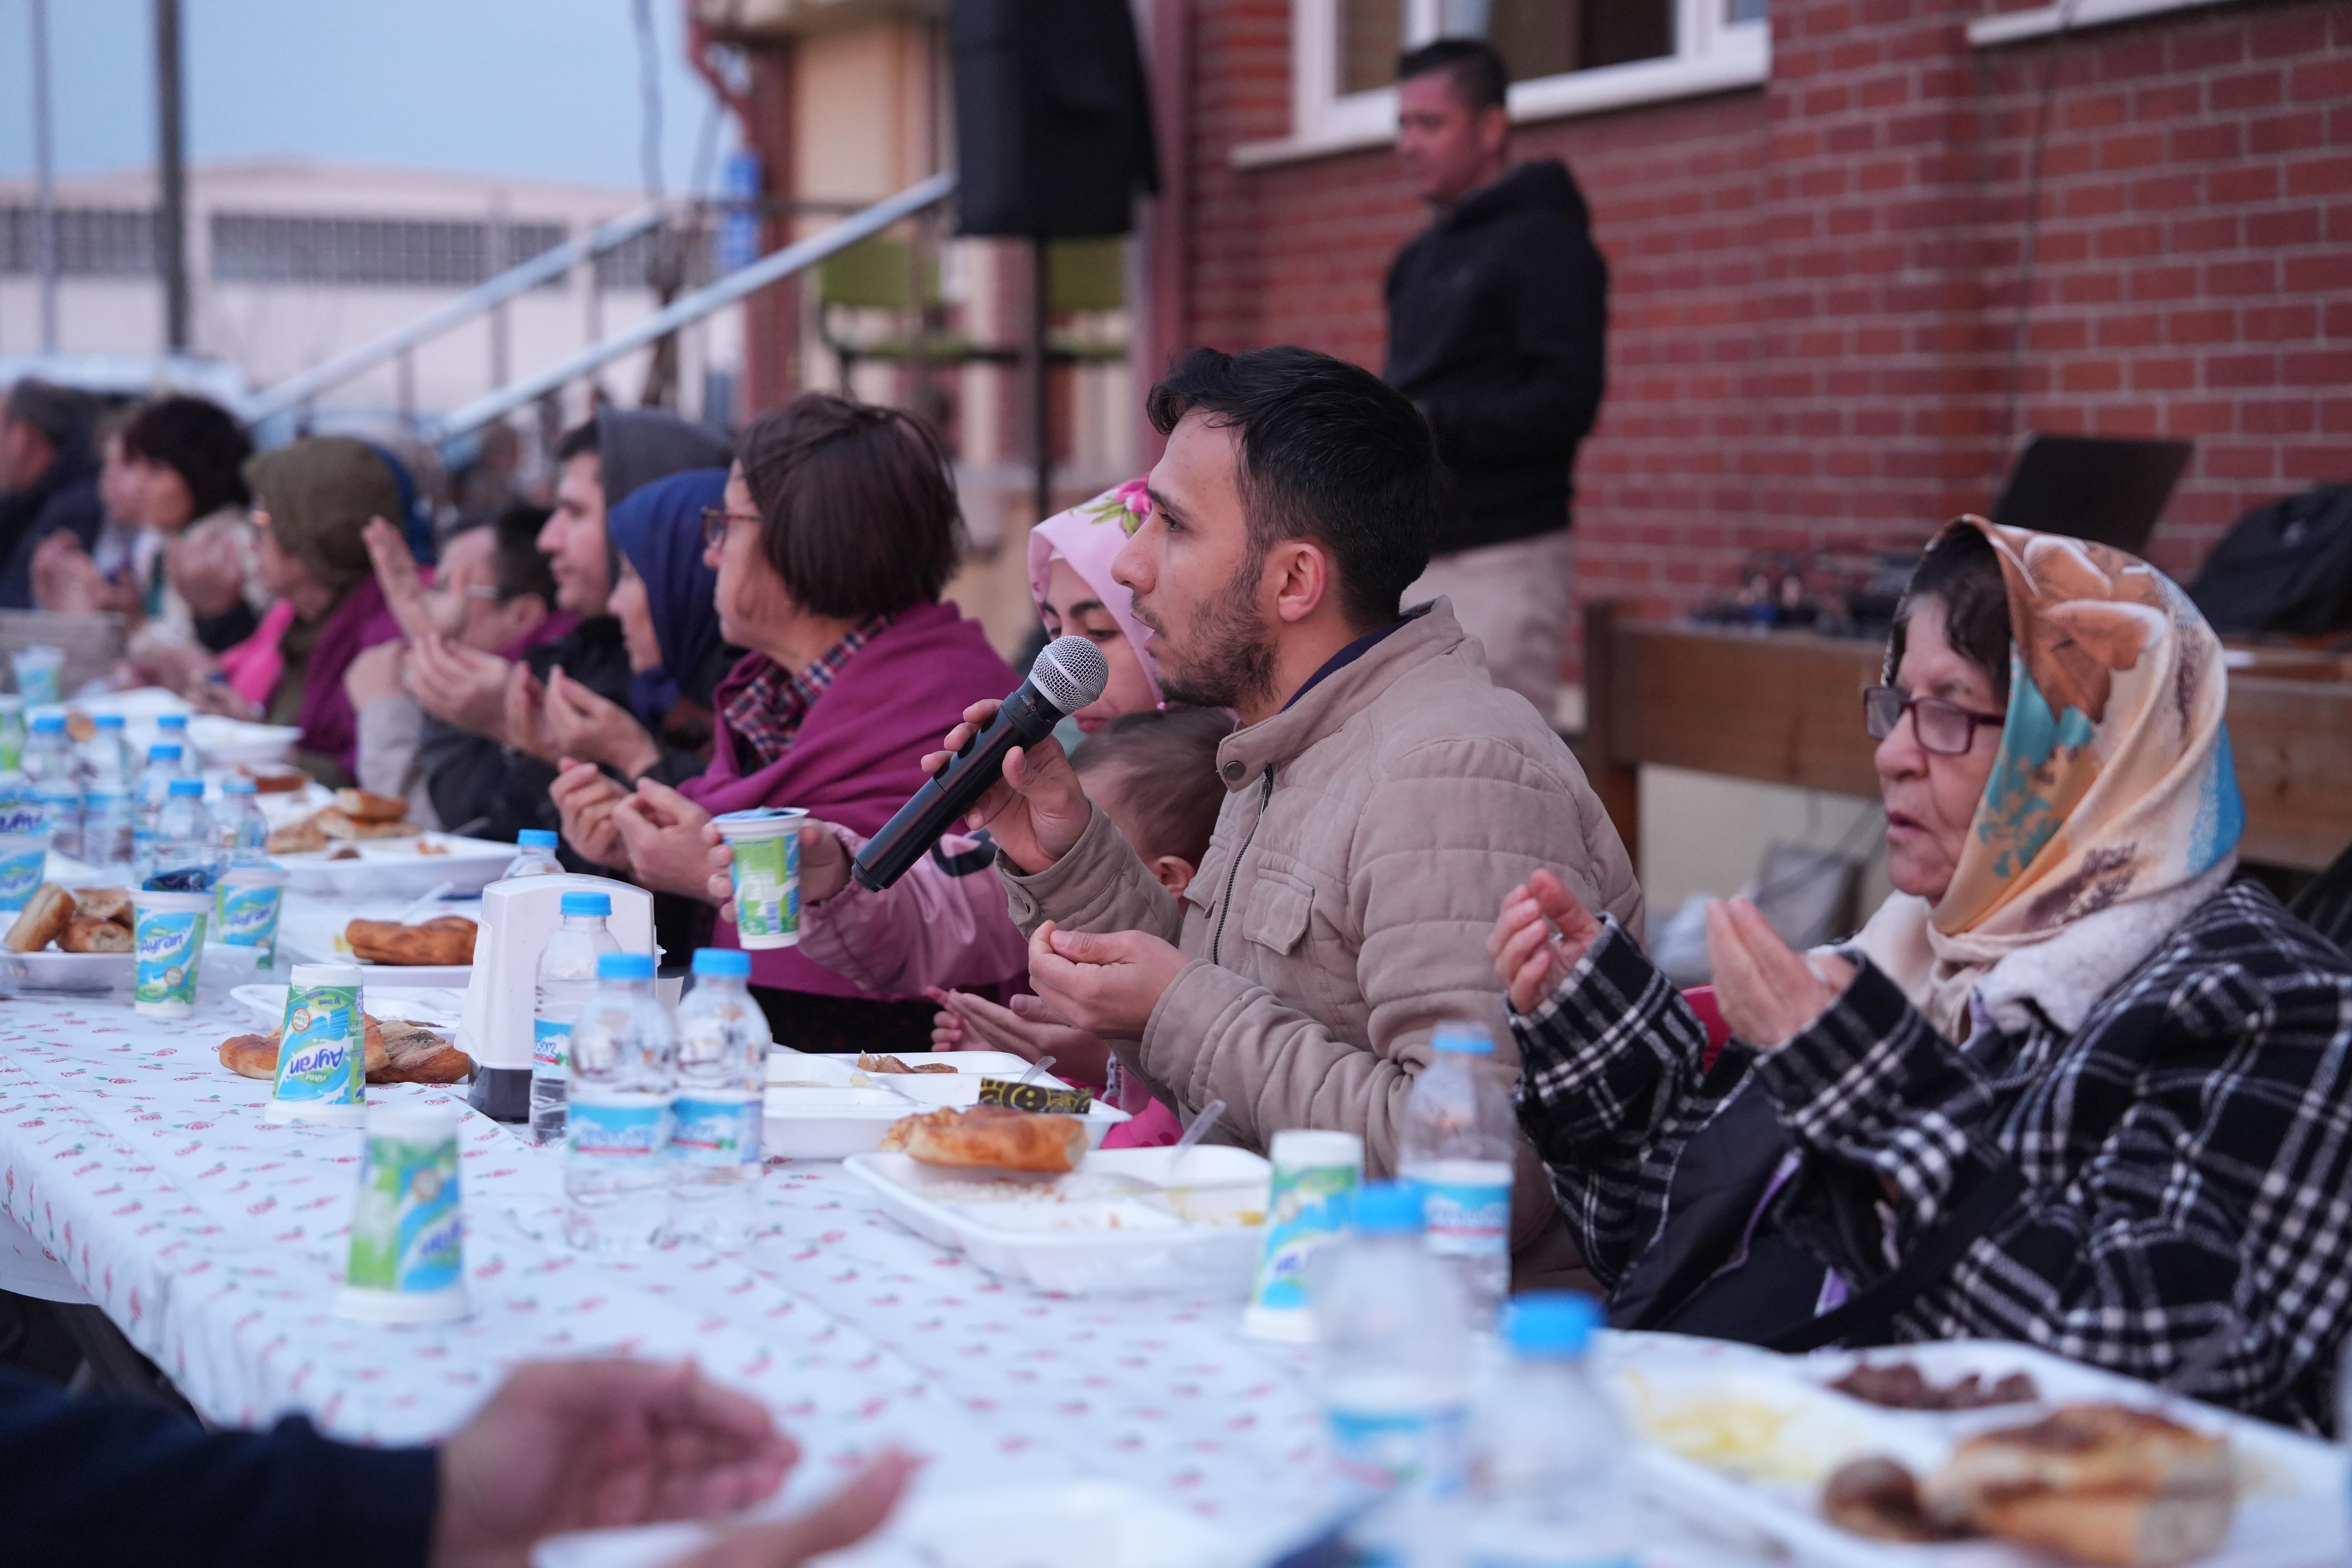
x,y
518,917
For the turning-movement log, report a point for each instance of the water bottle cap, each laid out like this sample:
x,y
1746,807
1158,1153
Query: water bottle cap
x,y
1388,1208
574,904
109,721
1551,1326
536,838
623,966
49,724
182,788
171,721
1461,1038
234,784
163,752
727,963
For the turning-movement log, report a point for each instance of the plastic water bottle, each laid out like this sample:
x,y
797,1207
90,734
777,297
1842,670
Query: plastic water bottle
x,y
107,778
147,806
49,772
240,831
187,856
1547,1470
1395,1357
723,1087
1459,1139
617,1126
171,730
566,979
535,857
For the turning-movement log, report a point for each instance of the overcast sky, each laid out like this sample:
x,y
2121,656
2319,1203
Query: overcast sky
x,y
528,87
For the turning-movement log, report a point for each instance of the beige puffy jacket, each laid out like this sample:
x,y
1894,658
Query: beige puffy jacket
x,y
1369,833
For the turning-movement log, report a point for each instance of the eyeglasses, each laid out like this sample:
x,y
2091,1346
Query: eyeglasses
x,y
715,520
1946,729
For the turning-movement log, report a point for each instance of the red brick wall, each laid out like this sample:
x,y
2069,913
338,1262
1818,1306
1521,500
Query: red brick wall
x,y
1815,281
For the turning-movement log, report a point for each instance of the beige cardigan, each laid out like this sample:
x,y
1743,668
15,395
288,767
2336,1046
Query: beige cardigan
x,y
1342,910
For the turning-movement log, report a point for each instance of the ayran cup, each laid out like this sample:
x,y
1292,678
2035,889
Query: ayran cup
x,y
1310,1204
245,904
407,1262
168,936
766,870
323,1050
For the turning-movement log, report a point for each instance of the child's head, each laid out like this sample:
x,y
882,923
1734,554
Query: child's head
x,y
1155,776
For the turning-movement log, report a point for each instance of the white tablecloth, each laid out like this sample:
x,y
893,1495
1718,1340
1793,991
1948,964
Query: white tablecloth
x,y
215,1240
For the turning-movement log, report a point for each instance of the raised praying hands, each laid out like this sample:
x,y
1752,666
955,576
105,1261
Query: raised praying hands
x,y
459,686
1029,1029
1541,936
578,722
585,799
1769,992
402,582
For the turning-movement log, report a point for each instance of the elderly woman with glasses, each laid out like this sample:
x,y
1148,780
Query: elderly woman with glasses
x,y
2072,1084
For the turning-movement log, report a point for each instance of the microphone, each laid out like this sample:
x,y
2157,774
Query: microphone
x,y
1070,674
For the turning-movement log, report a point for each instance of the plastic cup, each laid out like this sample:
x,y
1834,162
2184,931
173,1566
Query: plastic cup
x,y
22,858
322,1050
1310,1204
407,1262
169,938
245,904
766,870
40,673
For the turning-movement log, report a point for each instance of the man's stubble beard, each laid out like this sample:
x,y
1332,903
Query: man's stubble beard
x,y
1237,658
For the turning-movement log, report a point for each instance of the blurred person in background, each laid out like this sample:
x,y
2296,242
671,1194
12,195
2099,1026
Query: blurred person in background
x,y
491,590
837,533
48,479
187,458
600,464
1497,313
314,500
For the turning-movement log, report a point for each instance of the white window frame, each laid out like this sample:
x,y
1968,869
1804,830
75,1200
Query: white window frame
x,y
1712,55
2018,27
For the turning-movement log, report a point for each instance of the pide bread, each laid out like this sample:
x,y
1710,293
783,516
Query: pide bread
x,y
87,934
104,903
443,940
336,824
43,919
397,1053
300,838
991,1137
365,806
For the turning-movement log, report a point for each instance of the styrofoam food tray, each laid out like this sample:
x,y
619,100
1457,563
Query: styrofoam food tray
x,y
312,937
51,970
1738,1434
220,741
1149,1251
394,868
837,1118
1049,1525
434,1006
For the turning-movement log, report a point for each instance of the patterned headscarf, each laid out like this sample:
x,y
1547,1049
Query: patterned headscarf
x,y
1089,536
2114,782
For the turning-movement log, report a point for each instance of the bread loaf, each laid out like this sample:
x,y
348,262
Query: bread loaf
x,y
397,1053
336,824
301,838
363,806
87,934
42,920
104,903
443,940
992,1137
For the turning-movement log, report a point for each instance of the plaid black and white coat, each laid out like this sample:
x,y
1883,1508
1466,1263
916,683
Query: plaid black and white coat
x,y
2186,1152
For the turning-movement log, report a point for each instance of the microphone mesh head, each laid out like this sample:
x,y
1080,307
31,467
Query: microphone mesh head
x,y
1070,672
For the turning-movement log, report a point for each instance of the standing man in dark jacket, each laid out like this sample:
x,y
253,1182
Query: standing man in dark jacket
x,y
1496,318
48,479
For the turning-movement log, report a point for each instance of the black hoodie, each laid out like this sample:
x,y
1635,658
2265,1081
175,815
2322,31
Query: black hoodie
x,y
1496,318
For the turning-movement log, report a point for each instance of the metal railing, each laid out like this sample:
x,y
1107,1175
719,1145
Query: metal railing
x,y
772,268
521,278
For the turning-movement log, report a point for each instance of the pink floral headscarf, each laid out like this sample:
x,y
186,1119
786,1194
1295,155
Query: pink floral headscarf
x,y
1089,536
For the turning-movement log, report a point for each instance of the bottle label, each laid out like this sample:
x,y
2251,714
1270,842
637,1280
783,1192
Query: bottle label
x,y
551,1045
1466,1218
616,1127
1419,1452
718,1128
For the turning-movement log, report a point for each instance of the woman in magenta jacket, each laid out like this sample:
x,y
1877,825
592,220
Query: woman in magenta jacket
x,y
838,530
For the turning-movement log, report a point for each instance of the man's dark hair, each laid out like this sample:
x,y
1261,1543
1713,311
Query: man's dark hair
x,y
1961,573
580,438
857,505
63,415
1481,79
1166,765
201,441
516,564
1330,453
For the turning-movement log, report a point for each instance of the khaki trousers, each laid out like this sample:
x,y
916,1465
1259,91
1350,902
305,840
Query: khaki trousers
x,y
1514,598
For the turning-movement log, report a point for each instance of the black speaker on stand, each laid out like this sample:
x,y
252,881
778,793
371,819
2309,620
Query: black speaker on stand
x,y
1053,142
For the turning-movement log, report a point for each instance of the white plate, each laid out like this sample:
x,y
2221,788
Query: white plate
x,y
817,1111
1051,1524
220,742
51,970
395,868
433,1007
1072,1247
311,935
1741,1435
